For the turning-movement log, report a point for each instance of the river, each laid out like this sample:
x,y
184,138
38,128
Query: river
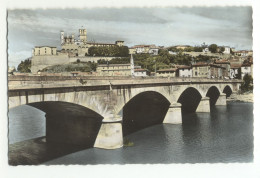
x,y
223,136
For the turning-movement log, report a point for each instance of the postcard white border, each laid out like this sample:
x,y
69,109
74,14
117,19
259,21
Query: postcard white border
x,y
173,170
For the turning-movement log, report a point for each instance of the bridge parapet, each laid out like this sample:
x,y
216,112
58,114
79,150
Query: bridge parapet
x,y
36,82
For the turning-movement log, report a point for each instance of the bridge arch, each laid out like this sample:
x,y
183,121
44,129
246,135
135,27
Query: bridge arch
x,y
129,94
69,123
213,93
189,99
227,90
143,110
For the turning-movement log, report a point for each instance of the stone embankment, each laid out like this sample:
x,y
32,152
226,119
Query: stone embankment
x,y
246,97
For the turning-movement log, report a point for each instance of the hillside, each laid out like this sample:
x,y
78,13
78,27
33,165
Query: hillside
x,y
77,66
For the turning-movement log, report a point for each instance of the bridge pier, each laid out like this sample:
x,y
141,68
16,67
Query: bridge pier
x,y
204,105
222,100
173,115
110,135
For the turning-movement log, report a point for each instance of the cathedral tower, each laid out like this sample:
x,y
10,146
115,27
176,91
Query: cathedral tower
x,y
61,37
83,35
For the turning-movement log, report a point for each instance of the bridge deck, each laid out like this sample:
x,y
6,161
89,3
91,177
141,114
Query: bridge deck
x,y
45,82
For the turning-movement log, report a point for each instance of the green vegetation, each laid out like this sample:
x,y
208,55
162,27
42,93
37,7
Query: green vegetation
x,y
115,51
25,66
188,49
247,84
76,66
149,62
213,48
127,142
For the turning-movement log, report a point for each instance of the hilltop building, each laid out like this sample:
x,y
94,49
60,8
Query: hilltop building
x,y
144,49
44,51
79,46
72,49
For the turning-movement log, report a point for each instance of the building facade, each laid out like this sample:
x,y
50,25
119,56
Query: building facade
x,y
184,71
139,72
226,64
79,46
114,69
166,72
227,50
216,71
235,71
44,51
144,49
245,69
201,70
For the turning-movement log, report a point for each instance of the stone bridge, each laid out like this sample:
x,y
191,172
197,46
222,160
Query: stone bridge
x,y
101,110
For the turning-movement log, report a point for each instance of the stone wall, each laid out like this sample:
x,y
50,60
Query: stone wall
x,y
41,62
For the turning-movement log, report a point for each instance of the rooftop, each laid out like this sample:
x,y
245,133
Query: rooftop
x,y
105,65
167,70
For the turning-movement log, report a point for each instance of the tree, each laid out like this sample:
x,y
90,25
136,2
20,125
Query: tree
x,y
198,49
247,84
25,66
213,48
222,49
112,51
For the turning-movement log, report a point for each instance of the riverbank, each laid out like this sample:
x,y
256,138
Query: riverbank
x,y
246,97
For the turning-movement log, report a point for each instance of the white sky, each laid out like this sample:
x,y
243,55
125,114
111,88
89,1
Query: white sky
x,y
231,26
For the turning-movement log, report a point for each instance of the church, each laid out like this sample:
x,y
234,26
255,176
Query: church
x,y
79,46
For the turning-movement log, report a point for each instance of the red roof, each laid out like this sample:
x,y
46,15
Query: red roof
x,y
167,70
142,46
235,66
183,67
200,64
140,70
222,62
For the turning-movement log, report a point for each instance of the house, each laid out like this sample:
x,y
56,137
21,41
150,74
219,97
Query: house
x,y
184,71
114,69
235,71
139,72
132,50
227,50
182,46
44,51
153,51
242,53
167,72
246,69
226,64
144,49
216,71
173,53
206,50
201,69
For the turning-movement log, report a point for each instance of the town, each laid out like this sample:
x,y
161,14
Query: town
x,y
80,57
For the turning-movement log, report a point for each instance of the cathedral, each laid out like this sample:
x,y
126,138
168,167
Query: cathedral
x,y
79,46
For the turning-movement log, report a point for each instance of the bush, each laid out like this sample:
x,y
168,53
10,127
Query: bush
x,y
110,51
25,66
247,84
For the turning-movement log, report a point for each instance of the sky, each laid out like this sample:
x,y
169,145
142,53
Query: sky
x,y
230,26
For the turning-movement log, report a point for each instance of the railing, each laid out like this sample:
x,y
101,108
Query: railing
x,y
129,78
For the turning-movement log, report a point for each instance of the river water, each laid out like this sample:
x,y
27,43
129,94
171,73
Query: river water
x,y
223,136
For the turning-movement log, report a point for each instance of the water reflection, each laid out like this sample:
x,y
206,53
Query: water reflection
x,y
225,135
